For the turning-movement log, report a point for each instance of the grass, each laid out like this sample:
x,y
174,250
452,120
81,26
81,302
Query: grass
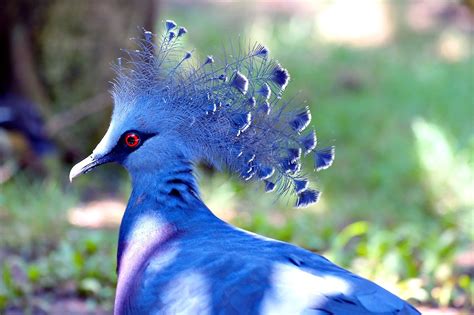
x,y
43,255
396,204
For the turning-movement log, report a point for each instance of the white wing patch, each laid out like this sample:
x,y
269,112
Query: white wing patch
x,y
187,294
294,290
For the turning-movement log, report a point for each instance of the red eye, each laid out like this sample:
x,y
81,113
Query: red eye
x,y
132,140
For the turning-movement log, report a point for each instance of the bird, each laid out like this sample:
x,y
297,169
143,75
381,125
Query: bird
x,y
18,114
173,111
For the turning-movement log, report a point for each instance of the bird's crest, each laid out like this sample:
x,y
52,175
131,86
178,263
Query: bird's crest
x,y
229,112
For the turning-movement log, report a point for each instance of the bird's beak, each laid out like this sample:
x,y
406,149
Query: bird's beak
x,y
87,165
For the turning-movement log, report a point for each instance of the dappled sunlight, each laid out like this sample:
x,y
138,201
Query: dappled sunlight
x,y
373,245
425,15
103,213
421,15
454,45
259,31
360,23
390,258
440,311
449,174
454,22
220,196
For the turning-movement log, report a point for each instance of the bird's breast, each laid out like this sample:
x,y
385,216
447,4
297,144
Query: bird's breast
x,y
146,235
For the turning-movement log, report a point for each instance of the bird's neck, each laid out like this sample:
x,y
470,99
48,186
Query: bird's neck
x,y
162,208
163,204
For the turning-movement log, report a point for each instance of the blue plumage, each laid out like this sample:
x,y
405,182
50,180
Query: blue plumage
x,y
170,25
301,120
261,51
307,197
240,82
221,109
280,76
265,172
300,185
242,120
174,256
324,158
294,154
265,107
265,91
269,186
309,142
182,31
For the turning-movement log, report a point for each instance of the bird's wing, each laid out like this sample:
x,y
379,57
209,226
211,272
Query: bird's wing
x,y
306,283
202,283
249,275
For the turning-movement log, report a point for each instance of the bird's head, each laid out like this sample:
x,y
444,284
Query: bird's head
x,y
135,140
229,114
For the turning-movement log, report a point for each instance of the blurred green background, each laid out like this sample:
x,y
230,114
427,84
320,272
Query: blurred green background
x,y
390,84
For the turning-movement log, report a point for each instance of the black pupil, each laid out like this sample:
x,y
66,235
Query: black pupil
x,y
132,139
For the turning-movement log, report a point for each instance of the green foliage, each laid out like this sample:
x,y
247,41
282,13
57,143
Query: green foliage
x,y
69,269
28,209
44,255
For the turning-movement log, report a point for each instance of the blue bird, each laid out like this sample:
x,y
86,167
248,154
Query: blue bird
x,y
174,256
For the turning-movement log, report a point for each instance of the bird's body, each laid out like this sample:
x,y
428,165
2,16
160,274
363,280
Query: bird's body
x,y
176,257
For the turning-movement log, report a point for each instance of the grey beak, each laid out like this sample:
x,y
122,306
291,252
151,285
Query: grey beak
x,y
86,165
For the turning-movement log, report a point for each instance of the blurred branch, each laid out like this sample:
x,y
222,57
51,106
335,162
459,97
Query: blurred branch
x,y
469,4
77,113
25,70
